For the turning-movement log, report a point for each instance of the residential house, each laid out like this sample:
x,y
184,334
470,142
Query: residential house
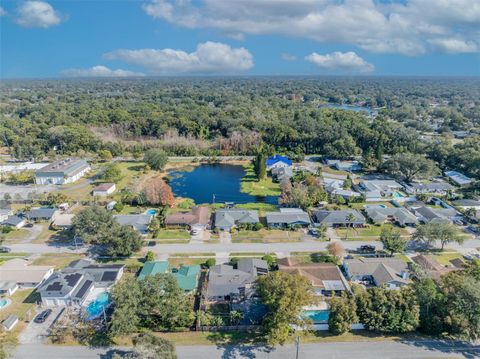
x,y
139,222
326,278
63,221
5,213
341,218
278,161
280,174
151,268
104,190
42,214
227,218
198,218
399,215
458,178
345,193
378,190
436,215
440,188
389,272
288,217
186,276
349,166
8,287
23,273
61,172
73,284
15,222
466,204
227,284
431,267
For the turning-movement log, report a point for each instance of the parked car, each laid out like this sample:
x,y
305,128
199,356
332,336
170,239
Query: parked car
x,y
367,248
313,232
194,232
43,316
4,249
151,243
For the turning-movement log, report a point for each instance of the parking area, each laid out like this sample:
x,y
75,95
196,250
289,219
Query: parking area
x,y
23,191
37,333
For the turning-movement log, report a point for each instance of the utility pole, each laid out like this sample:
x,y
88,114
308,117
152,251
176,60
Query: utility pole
x,y
297,341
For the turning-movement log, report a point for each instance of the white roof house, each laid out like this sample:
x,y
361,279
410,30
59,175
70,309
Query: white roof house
x,y
25,275
60,172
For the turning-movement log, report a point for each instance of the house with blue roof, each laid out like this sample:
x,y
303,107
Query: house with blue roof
x,y
278,161
458,178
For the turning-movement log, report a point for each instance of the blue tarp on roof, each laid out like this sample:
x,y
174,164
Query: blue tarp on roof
x,y
278,158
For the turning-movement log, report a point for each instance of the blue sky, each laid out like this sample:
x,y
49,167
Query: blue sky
x,y
248,37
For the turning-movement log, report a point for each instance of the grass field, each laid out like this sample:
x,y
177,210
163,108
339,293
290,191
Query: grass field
x,y
264,187
173,234
58,260
265,236
7,256
17,234
368,233
445,257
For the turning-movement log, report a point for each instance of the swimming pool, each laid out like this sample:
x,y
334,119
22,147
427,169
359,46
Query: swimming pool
x,y
398,195
96,307
151,212
316,316
4,302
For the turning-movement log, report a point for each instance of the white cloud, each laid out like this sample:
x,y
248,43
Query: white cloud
x,y
37,14
100,71
398,26
209,57
455,46
288,57
3,12
342,61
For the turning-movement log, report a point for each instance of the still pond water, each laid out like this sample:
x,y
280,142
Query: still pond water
x,y
218,180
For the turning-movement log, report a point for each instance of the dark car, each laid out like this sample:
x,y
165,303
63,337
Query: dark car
x,y
4,249
313,232
367,248
42,316
151,243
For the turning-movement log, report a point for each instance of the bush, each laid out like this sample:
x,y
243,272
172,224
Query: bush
x,y
150,257
321,258
6,229
258,226
271,261
210,262
118,207
234,261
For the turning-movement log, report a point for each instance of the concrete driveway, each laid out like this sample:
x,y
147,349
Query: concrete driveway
x,y
37,333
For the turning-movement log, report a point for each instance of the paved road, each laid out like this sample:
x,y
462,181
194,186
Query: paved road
x,y
352,350
196,247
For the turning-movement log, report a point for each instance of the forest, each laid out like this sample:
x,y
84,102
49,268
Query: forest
x,y
236,116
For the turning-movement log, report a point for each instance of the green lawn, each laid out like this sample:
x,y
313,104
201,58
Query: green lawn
x,y
130,171
17,234
7,256
172,234
265,236
58,260
264,187
370,232
445,257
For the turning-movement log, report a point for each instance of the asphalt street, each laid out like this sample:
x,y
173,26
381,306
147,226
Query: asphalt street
x,y
352,350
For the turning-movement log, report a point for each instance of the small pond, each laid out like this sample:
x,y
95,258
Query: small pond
x,y
370,111
218,180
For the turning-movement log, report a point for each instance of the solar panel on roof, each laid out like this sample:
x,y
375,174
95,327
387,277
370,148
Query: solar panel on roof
x,y
109,276
55,286
73,279
84,288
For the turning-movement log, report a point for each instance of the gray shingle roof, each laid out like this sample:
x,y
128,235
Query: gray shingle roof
x,y
288,216
401,215
139,222
232,216
339,217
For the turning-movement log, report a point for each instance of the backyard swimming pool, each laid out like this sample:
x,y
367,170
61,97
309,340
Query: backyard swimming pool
x,y
218,181
96,307
151,212
4,302
316,316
